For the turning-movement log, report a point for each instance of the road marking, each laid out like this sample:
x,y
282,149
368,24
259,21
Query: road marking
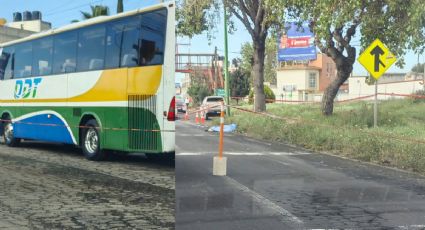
x,y
194,135
264,202
243,153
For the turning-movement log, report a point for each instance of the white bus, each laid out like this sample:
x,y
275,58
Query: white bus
x,y
103,84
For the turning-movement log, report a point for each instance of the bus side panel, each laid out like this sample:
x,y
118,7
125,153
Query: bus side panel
x,y
144,129
44,123
168,134
115,128
105,99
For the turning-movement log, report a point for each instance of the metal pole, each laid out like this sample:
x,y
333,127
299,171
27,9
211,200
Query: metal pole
x,y
215,59
226,64
375,107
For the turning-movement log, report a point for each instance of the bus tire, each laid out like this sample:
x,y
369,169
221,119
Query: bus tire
x,y
90,142
9,138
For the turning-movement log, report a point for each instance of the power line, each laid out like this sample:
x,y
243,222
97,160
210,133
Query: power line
x,y
58,7
60,22
73,8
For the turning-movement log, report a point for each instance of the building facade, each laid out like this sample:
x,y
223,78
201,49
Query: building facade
x,y
305,80
22,27
389,83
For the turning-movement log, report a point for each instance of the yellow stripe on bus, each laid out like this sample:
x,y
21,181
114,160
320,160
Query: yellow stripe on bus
x,y
112,86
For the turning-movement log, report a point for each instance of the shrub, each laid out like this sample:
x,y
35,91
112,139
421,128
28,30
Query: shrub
x,y
270,97
419,93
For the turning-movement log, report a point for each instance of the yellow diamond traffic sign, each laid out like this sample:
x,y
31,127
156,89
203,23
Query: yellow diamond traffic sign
x,y
376,59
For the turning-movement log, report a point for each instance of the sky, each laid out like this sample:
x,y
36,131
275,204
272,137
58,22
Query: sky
x,y
200,44
62,12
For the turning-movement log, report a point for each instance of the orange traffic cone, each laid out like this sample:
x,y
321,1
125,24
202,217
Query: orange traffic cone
x,y
203,117
197,117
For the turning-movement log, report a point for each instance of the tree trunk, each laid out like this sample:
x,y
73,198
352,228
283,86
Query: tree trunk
x,y
258,75
344,68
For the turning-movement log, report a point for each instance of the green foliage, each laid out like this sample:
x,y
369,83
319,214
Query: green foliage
x,y
247,52
198,89
198,93
418,68
96,11
270,97
195,16
120,6
258,17
239,83
420,93
399,24
270,62
370,80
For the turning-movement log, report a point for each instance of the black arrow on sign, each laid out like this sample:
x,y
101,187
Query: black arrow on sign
x,y
377,52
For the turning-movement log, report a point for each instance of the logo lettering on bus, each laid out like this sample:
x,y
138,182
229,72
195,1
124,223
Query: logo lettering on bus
x,y
27,88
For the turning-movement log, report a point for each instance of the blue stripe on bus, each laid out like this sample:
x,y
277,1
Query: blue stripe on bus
x,y
41,127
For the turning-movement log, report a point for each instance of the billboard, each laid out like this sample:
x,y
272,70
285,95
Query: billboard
x,y
296,44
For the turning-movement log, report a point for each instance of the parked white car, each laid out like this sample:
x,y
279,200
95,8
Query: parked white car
x,y
213,103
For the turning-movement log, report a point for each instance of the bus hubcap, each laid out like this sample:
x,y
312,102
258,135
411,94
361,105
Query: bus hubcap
x,y
8,132
92,141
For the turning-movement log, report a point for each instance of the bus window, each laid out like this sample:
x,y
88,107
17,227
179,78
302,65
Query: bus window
x,y
23,60
42,56
65,52
91,48
8,55
4,59
122,42
152,38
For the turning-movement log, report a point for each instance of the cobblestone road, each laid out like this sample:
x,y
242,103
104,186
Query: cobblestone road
x,y
54,187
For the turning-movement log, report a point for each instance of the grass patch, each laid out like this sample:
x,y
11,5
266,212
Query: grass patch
x,y
349,132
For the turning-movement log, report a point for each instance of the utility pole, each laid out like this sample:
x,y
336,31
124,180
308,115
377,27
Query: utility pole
x,y
215,61
226,64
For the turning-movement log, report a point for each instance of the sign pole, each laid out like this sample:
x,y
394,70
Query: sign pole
x,y
375,107
376,59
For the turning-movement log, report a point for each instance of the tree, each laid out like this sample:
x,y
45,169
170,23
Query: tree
x,y
120,7
398,23
247,58
96,11
198,88
269,60
418,68
258,17
239,81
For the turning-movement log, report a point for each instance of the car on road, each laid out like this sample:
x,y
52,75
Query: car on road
x,y
213,104
180,106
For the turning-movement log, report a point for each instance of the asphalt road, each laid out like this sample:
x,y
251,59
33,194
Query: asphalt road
x,y
277,186
44,186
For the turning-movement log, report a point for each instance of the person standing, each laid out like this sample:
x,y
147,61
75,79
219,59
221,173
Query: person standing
x,y
186,102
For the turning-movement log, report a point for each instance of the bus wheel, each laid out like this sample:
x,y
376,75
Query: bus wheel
x,y
91,141
8,136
